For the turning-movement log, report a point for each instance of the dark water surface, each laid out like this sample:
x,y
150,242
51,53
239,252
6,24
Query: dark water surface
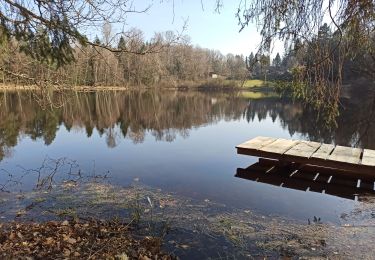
x,y
181,142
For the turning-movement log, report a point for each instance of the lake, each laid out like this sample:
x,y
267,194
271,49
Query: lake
x,y
177,141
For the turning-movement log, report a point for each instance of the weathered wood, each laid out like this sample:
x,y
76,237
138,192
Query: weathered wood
x,y
257,142
303,149
280,146
345,159
368,157
346,154
323,152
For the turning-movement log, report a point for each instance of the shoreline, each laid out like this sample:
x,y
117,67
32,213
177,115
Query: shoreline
x,y
250,85
59,88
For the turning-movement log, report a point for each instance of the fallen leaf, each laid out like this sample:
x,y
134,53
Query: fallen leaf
x,y
72,241
12,236
49,240
67,252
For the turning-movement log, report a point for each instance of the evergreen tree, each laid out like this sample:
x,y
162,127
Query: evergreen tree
x,y
277,61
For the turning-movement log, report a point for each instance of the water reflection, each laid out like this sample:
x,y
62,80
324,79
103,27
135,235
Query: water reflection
x,y
310,178
167,114
178,141
115,115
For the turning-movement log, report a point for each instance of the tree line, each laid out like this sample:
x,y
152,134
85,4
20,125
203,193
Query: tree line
x,y
50,31
171,62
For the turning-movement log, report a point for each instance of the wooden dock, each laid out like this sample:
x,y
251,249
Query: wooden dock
x,y
347,160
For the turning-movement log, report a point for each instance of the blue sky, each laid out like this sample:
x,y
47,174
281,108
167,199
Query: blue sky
x,y
206,27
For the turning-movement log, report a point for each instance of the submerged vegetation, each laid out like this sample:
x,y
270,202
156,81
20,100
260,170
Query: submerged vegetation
x,y
142,222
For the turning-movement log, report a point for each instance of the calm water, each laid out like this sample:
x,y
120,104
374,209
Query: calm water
x,y
181,142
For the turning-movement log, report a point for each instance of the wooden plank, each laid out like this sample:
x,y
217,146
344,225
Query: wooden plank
x,y
368,157
304,149
323,152
346,154
280,146
257,143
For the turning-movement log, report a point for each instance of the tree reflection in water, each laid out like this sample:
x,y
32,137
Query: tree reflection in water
x,y
167,114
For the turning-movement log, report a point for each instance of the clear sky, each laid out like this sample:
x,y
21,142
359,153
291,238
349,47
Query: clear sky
x,y
207,28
